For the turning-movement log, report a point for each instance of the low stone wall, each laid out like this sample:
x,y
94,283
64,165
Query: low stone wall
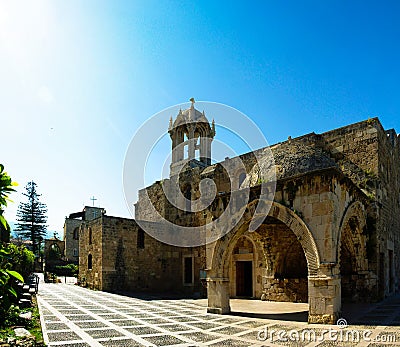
x,y
25,342
286,290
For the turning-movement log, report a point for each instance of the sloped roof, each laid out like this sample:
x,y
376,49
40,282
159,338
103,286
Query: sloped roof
x,y
190,115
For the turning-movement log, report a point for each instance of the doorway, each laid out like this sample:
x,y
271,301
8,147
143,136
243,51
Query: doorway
x,y
244,278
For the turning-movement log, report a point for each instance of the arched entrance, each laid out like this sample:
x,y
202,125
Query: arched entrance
x,y
270,264
241,269
219,260
352,255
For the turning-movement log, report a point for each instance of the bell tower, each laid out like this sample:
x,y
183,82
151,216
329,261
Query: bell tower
x,y
191,136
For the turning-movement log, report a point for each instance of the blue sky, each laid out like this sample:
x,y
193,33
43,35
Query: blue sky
x,y
78,78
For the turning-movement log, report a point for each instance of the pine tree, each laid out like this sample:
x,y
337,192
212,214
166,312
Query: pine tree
x,y
32,218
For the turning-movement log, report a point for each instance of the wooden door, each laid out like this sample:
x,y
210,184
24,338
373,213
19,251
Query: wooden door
x,y
244,278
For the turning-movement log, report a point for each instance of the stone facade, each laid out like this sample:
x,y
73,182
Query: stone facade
x,y
330,236
116,254
338,192
54,249
72,226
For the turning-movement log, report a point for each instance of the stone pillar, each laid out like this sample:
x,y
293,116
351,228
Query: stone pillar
x,y
191,143
218,295
324,295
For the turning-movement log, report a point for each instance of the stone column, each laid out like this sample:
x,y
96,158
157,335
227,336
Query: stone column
x,y
218,295
191,143
324,295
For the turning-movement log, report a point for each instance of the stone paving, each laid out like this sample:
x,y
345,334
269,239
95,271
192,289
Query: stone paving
x,y
74,316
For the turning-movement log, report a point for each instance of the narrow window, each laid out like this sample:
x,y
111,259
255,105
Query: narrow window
x,y
90,236
185,147
89,262
188,270
75,252
188,196
242,177
76,234
140,239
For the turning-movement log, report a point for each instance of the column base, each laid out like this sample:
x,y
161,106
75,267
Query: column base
x,y
322,318
218,295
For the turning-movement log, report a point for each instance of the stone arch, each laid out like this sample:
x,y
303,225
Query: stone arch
x,y
224,246
351,253
218,253
251,241
354,213
54,252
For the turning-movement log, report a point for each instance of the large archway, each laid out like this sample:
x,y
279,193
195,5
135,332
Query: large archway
x,y
270,264
219,254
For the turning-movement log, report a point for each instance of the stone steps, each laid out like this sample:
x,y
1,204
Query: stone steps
x,y
26,290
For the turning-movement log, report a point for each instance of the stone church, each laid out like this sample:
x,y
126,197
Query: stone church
x,y
331,233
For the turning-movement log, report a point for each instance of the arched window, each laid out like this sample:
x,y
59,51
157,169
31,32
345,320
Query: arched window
x,y
90,236
89,262
140,239
76,234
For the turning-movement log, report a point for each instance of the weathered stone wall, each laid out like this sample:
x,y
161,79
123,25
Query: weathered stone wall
x,y
388,210
72,225
370,156
91,246
127,266
71,242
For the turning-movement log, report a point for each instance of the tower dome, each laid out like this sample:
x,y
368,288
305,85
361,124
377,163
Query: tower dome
x,y
191,135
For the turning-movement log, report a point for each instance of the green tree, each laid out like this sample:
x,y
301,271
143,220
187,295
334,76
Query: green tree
x,y
6,185
31,217
8,276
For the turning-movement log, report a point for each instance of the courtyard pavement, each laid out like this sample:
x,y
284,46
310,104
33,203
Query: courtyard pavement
x,y
74,316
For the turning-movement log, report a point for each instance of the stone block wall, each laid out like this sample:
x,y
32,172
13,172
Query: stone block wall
x,y
71,242
91,254
388,201
286,290
126,263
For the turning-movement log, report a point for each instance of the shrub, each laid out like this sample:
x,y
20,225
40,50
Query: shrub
x,y
8,280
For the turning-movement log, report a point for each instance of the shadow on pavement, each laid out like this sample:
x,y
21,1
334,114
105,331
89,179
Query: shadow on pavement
x,y
292,316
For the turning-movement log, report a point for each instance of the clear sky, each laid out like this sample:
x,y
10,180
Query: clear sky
x,y
78,78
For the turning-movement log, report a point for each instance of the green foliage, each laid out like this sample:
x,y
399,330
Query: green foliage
x,y
67,270
32,217
6,187
8,280
12,317
10,257
22,259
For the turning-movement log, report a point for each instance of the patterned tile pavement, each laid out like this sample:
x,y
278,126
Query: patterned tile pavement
x,y
73,316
